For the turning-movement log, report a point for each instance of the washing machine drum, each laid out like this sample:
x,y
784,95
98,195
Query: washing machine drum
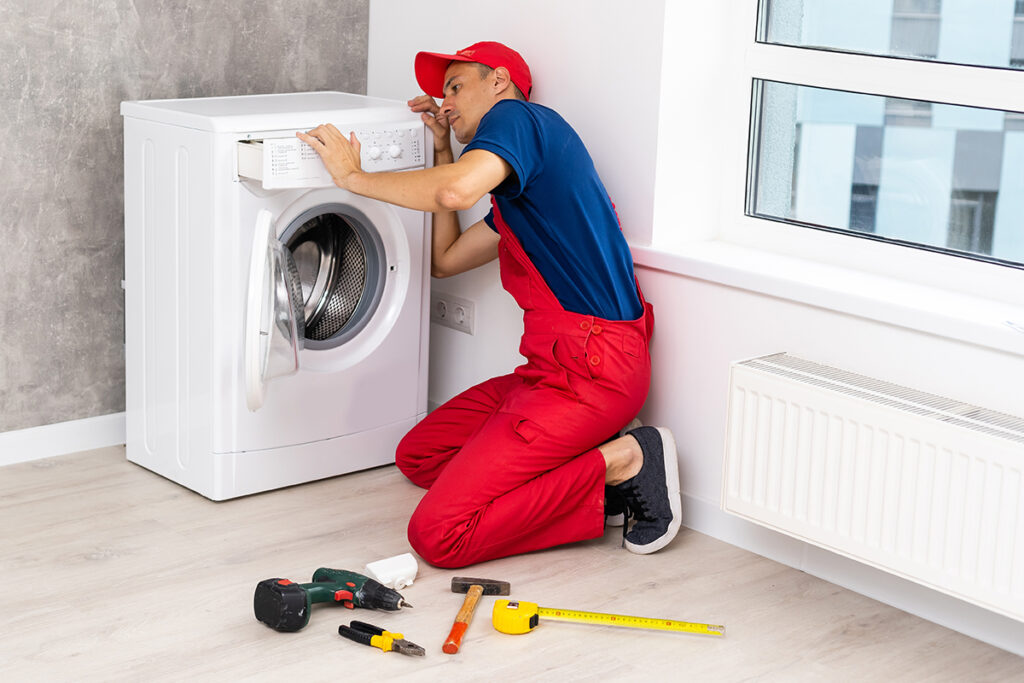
x,y
341,264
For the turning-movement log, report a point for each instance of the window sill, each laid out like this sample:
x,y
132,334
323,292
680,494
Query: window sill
x,y
972,319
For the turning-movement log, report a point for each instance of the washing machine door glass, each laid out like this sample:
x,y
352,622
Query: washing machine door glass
x,y
341,267
274,322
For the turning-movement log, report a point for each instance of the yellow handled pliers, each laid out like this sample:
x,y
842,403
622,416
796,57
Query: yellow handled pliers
x,y
374,636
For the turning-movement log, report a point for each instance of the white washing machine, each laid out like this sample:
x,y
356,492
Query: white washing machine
x,y
276,326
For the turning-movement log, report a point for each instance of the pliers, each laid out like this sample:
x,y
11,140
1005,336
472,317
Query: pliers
x,y
374,636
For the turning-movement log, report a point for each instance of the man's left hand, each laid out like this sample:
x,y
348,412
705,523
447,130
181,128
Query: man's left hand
x,y
339,154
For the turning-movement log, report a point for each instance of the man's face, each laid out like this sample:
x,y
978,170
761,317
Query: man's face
x,y
467,97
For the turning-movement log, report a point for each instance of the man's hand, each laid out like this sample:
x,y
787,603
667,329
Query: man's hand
x,y
339,154
437,122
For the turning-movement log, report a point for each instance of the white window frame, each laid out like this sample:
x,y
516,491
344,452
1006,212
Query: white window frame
x,y
952,296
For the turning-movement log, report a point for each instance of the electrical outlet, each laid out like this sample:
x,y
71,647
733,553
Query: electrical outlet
x,y
452,311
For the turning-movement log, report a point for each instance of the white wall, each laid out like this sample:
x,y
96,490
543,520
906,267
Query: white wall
x,y
656,132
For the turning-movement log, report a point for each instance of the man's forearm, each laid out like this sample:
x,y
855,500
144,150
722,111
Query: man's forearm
x,y
419,190
446,228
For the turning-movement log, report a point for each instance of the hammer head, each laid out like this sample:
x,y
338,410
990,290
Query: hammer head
x,y
461,584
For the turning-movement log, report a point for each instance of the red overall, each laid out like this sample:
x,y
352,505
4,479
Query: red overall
x,y
511,465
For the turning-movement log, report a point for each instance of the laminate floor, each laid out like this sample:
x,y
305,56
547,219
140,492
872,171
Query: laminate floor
x,y
115,574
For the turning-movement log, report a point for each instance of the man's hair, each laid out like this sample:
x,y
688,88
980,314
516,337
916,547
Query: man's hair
x,y
485,71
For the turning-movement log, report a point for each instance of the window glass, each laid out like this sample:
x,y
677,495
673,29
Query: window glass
x,y
935,175
975,32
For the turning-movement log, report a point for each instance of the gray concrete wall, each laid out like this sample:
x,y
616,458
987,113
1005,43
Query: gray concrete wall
x,y
65,66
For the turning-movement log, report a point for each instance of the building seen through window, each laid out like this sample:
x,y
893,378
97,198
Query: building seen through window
x,y
925,173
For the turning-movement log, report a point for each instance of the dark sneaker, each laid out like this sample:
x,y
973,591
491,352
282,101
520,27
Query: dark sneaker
x,y
652,496
615,512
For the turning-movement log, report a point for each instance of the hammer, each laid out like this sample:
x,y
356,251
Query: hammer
x,y
473,588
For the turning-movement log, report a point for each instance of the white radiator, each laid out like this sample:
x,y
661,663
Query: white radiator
x,y
915,484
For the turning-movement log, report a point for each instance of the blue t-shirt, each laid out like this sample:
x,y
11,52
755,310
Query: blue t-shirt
x,y
557,206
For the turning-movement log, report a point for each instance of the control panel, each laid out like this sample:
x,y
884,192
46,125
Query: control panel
x,y
391,148
287,162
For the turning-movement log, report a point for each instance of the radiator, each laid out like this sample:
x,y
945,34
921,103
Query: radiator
x,y
924,487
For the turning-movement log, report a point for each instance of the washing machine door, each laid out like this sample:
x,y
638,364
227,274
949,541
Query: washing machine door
x,y
274,320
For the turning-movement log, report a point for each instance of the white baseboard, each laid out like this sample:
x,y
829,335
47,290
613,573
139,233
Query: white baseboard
x,y
971,620
36,443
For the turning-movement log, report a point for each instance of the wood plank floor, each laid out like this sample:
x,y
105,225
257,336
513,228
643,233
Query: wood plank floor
x,y
115,574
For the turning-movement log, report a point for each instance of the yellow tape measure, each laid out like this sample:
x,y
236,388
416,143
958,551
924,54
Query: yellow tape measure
x,y
516,616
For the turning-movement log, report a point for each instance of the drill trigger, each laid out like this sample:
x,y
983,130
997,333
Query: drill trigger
x,y
344,597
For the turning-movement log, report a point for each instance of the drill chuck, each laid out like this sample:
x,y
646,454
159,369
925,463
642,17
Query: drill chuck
x,y
380,596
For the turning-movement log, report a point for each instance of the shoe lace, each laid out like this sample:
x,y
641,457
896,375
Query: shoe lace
x,y
635,503
635,507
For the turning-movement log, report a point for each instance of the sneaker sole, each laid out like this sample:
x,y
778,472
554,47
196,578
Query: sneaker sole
x,y
671,462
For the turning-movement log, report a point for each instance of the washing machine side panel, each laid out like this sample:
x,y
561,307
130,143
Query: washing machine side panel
x,y
167,201
135,162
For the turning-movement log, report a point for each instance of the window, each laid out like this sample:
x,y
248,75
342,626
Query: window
x,y
939,176
847,144
889,189
987,33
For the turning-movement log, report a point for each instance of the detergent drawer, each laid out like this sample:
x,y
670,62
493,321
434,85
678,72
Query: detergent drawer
x,y
280,163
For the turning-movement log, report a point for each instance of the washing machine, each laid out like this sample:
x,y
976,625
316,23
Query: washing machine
x,y
276,326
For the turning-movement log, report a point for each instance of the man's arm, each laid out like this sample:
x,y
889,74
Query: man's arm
x,y
452,250
446,187
474,247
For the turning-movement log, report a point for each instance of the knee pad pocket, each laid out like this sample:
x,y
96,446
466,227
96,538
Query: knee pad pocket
x,y
525,429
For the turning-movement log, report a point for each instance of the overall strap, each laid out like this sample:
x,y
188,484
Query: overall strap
x,y
529,288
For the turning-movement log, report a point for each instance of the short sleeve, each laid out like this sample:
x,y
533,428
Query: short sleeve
x,y
510,131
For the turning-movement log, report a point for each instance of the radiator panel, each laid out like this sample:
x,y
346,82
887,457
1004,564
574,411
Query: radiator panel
x,y
915,484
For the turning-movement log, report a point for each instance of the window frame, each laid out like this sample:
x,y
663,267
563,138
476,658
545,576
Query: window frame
x,y
896,77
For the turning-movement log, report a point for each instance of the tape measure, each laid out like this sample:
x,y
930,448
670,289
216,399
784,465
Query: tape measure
x,y
516,616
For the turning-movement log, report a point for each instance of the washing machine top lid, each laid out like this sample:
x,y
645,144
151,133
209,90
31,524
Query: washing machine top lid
x,y
248,113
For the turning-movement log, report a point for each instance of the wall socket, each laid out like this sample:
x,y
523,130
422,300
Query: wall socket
x,y
452,311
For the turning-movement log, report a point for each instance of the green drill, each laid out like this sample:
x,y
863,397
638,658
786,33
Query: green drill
x,y
285,606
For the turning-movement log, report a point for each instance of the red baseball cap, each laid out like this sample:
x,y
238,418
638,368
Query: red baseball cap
x,y
431,66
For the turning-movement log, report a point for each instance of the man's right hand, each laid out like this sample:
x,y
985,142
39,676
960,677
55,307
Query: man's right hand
x,y
430,112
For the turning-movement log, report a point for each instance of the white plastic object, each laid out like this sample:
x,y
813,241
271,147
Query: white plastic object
x,y
394,572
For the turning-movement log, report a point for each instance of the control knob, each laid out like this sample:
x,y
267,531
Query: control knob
x,y
375,152
395,151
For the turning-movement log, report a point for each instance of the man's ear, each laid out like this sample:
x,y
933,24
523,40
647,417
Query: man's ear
x,y
502,80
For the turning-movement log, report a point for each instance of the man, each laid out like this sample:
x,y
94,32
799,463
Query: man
x,y
524,461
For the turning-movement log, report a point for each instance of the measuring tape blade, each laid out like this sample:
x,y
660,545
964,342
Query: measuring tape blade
x,y
629,622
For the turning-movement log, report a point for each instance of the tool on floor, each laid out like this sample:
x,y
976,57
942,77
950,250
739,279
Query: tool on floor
x,y
473,588
375,636
394,572
285,606
512,616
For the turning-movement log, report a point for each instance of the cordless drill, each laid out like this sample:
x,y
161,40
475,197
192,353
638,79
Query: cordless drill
x,y
285,606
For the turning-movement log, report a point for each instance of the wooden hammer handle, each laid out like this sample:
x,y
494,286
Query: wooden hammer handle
x,y
462,619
